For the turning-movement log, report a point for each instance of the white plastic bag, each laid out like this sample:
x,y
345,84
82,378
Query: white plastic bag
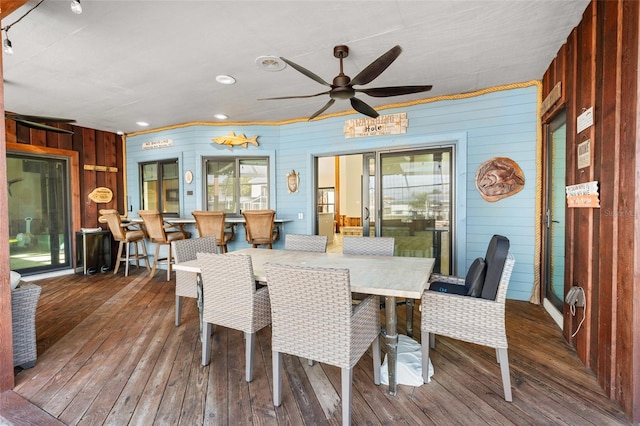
x,y
409,364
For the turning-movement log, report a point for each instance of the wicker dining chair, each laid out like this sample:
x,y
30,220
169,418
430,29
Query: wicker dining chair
x,y
186,282
323,325
230,299
126,234
302,242
377,246
160,233
212,223
260,229
479,320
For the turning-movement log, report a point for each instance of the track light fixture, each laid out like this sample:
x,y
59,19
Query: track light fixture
x,y
76,7
7,44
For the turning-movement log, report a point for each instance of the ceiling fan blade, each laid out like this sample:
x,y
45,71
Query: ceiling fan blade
x,y
306,72
377,67
37,118
294,97
363,108
40,126
382,92
321,110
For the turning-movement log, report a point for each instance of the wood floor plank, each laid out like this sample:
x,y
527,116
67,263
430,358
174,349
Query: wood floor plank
x,y
110,353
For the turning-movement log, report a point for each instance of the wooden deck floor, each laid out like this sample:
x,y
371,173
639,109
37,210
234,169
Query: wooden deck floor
x,y
109,353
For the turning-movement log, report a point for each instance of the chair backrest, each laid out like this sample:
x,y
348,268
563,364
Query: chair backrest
x,y
228,287
210,223
318,325
112,217
154,225
259,224
495,259
185,250
371,246
301,242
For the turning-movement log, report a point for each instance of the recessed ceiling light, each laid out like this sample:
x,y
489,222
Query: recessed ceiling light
x,y
120,132
221,116
225,79
142,123
270,63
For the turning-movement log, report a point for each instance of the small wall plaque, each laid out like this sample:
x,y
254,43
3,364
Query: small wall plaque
x,y
293,180
101,195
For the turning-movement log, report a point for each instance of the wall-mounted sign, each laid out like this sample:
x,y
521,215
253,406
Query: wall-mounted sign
x,y
100,168
391,124
583,195
584,154
161,143
551,98
101,195
585,120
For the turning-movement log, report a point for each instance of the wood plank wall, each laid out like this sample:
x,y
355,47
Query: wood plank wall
x,y
598,66
94,148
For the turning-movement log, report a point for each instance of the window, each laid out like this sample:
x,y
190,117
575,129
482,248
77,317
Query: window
x,y
160,187
326,200
237,183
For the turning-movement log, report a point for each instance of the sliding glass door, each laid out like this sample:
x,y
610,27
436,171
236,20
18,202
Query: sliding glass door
x,y
415,197
39,222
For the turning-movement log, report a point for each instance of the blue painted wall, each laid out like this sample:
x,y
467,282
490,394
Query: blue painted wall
x,y
500,123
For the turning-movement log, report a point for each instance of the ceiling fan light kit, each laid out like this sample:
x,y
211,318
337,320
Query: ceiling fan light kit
x,y
342,84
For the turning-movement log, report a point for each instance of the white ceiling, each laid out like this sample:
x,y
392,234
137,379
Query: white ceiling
x,y
125,61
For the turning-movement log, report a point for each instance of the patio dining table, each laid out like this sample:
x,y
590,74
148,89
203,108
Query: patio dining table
x,y
386,276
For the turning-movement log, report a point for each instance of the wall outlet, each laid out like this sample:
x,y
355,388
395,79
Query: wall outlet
x,y
300,216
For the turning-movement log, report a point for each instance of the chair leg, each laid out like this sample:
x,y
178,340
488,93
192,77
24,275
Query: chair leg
x,y
504,370
127,258
169,258
432,340
347,375
178,309
249,343
276,359
144,252
426,336
118,257
155,260
206,343
409,306
375,348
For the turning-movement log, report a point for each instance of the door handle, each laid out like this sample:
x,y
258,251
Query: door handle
x,y
366,209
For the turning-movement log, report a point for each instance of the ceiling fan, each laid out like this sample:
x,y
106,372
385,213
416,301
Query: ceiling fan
x,y
38,122
342,87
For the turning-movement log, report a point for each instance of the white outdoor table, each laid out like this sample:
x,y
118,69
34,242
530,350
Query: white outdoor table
x,y
386,276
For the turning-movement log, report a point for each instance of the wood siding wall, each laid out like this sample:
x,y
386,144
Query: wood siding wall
x,y
598,67
94,148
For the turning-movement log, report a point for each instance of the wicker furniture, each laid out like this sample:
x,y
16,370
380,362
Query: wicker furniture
x,y
186,282
125,237
301,242
471,319
212,224
157,233
388,276
259,227
230,299
322,325
24,300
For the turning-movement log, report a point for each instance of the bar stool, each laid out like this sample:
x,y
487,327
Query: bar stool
x,y
157,233
126,237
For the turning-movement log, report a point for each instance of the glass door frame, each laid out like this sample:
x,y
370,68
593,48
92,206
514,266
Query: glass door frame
x,y
72,195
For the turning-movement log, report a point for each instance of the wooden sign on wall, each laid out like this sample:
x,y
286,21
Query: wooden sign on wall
x,y
391,124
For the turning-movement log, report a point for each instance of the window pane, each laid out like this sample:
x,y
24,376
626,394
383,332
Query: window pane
x,y
150,186
221,182
171,187
254,190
